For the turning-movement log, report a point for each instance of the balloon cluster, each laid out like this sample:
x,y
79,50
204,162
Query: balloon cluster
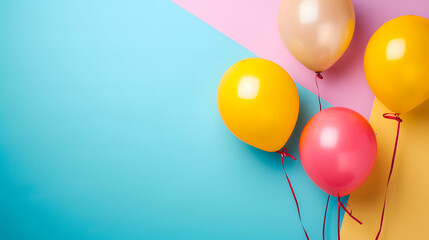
x,y
258,100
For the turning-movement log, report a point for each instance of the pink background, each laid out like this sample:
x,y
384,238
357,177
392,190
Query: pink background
x,y
253,24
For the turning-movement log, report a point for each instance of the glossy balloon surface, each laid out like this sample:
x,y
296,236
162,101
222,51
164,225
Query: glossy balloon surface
x,y
338,149
258,102
317,32
397,63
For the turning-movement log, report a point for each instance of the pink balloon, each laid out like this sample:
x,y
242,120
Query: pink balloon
x,y
338,149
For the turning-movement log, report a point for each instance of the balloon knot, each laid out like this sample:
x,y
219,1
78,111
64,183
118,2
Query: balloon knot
x,y
393,116
283,153
319,75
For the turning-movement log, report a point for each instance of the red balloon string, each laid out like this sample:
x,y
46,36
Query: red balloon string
x,y
283,153
393,116
339,209
350,213
318,76
340,205
324,218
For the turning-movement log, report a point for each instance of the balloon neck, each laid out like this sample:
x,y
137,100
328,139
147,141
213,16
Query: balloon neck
x,y
319,75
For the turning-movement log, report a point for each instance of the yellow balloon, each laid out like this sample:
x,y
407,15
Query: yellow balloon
x,y
396,63
258,102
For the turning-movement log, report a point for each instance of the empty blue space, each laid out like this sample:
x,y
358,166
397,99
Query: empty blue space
x,y
109,129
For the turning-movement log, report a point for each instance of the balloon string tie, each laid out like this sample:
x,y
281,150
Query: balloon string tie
x,y
283,154
392,116
318,76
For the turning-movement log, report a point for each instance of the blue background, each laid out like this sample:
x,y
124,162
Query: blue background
x,y
109,129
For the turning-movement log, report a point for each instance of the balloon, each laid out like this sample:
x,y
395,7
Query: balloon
x,y
317,32
338,149
396,63
258,102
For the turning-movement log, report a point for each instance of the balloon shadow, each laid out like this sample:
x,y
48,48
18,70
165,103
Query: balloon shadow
x,y
309,106
352,58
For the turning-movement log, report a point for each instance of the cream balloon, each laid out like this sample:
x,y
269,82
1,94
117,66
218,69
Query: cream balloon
x,y
317,32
